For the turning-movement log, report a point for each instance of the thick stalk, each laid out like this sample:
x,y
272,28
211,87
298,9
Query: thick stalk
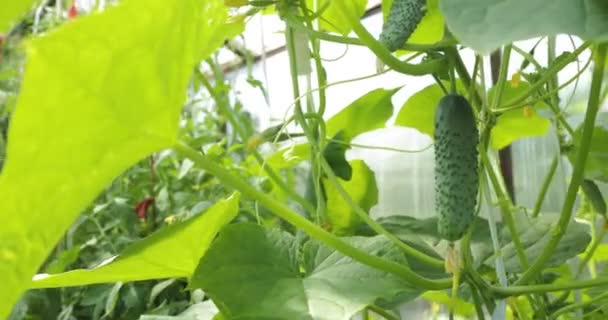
x,y
306,226
381,52
225,108
579,305
545,187
375,225
579,167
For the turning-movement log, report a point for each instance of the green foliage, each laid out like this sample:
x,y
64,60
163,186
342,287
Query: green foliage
x,y
403,19
419,110
519,123
294,278
12,11
595,197
430,29
375,107
86,182
332,20
456,170
98,71
181,245
595,168
484,25
362,189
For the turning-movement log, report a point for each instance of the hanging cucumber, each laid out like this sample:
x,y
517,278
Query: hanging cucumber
x,y
593,193
456,169
403,18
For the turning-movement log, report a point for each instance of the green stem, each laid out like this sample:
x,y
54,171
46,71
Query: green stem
x,y
578,170
545,187
579,305
375,225
505,205
225,108
502,76
546,76
530,58
540,288
356,42
478,303
306,226
385,314
597,241
381,52
464,76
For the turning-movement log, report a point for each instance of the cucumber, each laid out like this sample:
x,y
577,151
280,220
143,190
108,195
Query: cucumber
x,y
456,168
593,193
403,18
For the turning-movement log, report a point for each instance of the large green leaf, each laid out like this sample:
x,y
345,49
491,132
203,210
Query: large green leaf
x,y
418,112
595,168
169,253
11,11
199,311
369,112
430,30
268,274
534,235
98,95
519,123
363,190
485,25
332,20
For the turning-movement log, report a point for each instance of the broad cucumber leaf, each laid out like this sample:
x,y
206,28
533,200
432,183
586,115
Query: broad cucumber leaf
x,y
332,19
418,112
200,311
11,11
369,112
595,168
484,25
172,252
363,190
258,273
432,27
519,123
118,83
534,235
459,306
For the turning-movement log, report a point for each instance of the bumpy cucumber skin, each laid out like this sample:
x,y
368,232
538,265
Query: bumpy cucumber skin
x,y
403,18
456,169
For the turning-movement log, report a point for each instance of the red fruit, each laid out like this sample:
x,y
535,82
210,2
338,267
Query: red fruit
x,y
73,12
142,207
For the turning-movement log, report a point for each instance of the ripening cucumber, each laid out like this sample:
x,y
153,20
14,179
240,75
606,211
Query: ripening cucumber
x,y
456,169
403,18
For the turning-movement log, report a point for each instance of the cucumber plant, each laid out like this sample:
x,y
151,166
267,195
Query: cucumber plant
x,y
234,227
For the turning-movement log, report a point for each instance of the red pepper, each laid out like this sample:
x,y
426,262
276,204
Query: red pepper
x,y
73,12
142,207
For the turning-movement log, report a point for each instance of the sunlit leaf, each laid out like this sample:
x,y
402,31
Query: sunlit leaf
x,y
363,190
369,112
519,123
485,25
258,274
418,112
11,11
172,252
99,94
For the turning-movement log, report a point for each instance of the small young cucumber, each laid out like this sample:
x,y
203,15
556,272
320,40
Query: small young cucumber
x,y
593,193
456,169
403,18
